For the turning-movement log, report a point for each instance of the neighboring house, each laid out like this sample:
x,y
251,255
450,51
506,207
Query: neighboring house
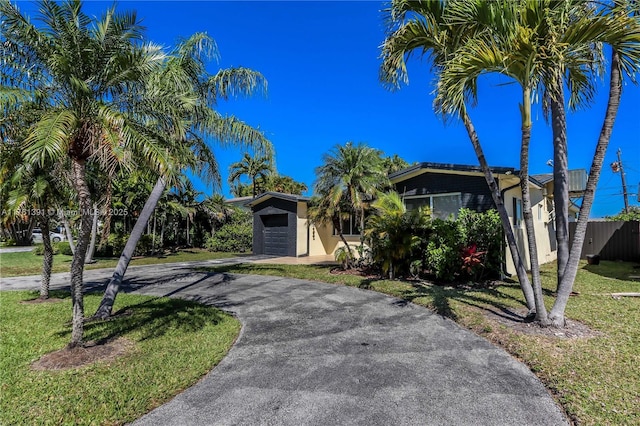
x,y
281,226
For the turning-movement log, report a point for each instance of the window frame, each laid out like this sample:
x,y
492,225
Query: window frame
x,y
431,198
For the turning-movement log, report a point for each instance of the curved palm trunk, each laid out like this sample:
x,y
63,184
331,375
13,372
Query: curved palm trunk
x,y
106,227
67,230
560,177
79,181
94,231
106,305
47,258
521,270
541,310
566,285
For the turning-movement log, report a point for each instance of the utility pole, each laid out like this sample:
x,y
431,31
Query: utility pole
x,y
616,166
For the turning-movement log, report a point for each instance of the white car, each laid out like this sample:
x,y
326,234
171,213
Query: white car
x,y
55,237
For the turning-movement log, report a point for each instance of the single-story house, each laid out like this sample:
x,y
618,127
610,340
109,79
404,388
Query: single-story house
x,y
280,225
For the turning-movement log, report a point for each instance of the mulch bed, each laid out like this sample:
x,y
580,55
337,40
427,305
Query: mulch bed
x,y
81,356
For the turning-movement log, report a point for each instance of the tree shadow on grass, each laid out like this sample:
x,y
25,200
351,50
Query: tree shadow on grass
x,y
485,298
163,312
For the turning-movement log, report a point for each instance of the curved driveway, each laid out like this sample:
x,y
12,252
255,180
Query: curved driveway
x,y
321,354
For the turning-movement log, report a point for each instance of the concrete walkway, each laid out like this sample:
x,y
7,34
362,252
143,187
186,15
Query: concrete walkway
x,y
320,354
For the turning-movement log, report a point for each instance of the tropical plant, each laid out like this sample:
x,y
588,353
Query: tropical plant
x,y
540,44
234,236
255,167
348,180
183,129
394,163
632,214
395,235
430,27
82,69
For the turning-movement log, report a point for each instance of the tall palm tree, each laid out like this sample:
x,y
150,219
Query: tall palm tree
x,y
184,129
540,44
349,178
82,68
622,34
515,39
429,27
254,167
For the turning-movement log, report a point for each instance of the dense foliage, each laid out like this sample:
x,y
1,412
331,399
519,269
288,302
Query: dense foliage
x,y
403,242
235,236
632,214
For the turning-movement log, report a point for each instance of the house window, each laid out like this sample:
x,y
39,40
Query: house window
x,y
442,205
517,212
350,226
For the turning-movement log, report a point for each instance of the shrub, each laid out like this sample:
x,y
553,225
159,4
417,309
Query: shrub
x,y
64,248
443,257
236,236
396,236
482,236
38,250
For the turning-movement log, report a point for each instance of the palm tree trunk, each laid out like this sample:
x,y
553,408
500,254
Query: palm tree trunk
x,y
106,305
47,258
566,285
521,270
67,230
79,181
344,241
560,176
106,227
541,310
94,231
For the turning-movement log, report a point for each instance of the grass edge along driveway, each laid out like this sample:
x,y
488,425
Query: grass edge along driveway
x,y
173,343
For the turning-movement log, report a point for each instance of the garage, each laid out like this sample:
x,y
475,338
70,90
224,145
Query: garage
x,y
276,234
276,222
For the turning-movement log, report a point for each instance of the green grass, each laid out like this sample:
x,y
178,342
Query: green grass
x,y
27,263
596,380
175,343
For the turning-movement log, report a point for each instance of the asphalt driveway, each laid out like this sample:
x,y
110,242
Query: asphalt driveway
x,y
321,354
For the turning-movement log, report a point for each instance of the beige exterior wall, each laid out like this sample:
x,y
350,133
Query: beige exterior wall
x,y
542,221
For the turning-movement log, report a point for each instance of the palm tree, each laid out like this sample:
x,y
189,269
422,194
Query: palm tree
x,y
621,22
82,68
394,232
429,27
254,167
184,76
284,184
217,211
349,178
539,44
515,39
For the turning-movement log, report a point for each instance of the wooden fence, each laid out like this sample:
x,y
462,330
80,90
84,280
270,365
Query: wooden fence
x,y
611,240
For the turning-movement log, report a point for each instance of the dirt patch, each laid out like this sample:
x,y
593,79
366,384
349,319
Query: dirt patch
x,y
90,353
39,300
516,321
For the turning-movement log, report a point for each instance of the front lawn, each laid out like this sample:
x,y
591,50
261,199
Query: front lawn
x,y
27,263
171,345
596,380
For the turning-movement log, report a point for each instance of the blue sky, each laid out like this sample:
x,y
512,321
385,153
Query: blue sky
x,y
321,63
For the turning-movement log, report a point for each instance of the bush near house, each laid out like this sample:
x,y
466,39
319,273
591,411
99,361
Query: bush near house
x,y
468,248
235,236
